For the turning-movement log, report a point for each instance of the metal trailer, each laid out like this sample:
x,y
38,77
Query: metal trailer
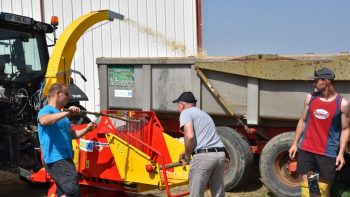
x,y
255,102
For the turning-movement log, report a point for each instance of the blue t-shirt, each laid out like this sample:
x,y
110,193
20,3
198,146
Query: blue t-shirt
x,y
55,139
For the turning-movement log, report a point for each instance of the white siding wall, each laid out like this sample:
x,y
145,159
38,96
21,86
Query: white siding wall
x,y
154,28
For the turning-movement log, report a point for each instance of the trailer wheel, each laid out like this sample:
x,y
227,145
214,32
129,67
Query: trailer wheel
x,y
241,157
274,170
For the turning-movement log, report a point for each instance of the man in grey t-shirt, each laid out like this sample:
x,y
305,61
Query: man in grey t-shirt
x,y
205,146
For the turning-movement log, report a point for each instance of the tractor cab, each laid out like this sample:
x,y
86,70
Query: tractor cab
x,y
23,63
23,52
24,58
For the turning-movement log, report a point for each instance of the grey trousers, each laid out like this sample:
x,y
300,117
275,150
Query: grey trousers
x,y
207,169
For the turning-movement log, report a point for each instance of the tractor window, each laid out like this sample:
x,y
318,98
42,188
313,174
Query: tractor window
x,y
21,55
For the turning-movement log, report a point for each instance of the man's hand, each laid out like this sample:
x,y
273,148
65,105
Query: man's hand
x,y
73,110
80,133
184,160
340,162
292,151
91,126
182,155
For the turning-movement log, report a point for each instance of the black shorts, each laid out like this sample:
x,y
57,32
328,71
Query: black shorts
x,y
65,176
321,164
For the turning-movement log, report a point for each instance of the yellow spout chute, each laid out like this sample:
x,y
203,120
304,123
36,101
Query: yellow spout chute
x,y
58,68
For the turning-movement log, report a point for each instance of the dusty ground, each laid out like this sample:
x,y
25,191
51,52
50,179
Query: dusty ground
x,y
254,189
12,186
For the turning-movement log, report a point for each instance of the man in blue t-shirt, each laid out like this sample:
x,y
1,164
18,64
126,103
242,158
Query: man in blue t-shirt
x,y
56,136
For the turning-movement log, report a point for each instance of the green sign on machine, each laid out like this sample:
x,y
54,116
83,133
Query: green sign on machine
x,y
122,76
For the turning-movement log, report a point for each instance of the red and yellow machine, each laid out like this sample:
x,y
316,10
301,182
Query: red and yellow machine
x,y
119,155
130,156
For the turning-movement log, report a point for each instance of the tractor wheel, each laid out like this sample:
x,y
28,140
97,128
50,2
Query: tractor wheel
x,y
241,157
274,170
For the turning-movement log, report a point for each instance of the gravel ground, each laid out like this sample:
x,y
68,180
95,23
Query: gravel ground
x,y
12,186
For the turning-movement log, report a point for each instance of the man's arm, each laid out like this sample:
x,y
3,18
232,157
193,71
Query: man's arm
x,y
189,140
80,133
189,143
300,128
49,119
344,135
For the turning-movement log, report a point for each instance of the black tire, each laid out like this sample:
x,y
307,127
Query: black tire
x,y
241,157
274,167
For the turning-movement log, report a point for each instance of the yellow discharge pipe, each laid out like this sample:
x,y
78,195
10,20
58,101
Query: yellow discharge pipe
x,y
58,68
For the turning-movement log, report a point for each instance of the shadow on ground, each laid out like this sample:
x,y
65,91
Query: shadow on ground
x,y
11,185
252,182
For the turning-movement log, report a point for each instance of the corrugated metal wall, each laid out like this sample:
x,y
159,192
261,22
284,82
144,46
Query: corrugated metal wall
x,y
153,28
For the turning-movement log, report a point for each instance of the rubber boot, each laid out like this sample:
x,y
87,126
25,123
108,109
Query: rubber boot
x,y
304,188
324,189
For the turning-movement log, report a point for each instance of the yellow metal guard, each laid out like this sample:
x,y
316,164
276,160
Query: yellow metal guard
x,y
131,163
58,68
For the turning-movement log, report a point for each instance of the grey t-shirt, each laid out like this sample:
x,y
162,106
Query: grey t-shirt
x,y
204,128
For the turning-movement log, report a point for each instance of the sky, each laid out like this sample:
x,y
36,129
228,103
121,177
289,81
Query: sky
x,y
245,27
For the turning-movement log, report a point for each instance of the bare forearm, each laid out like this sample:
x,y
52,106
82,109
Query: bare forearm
x,y
79,133
189,143
189,138
52,118
299,131
344,138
